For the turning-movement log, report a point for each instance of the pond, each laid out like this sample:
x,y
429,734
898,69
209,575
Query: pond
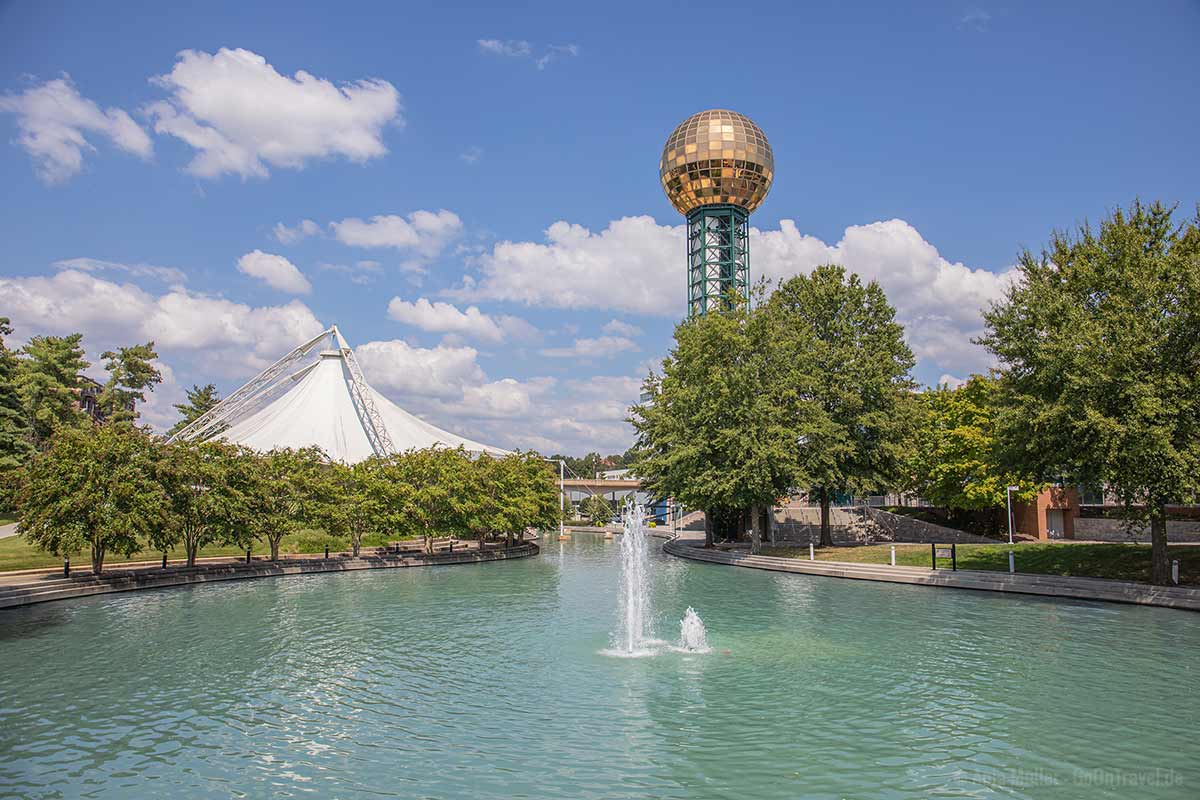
x,y
489,681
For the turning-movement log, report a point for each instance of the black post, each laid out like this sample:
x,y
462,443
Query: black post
x,y
932,555
327,551
164,559
953,557
247,555
66,566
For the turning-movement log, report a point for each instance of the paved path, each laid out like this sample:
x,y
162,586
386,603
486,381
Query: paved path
x,y
1180,597
8,530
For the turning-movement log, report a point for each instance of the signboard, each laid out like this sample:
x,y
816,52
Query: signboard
x,y
943,552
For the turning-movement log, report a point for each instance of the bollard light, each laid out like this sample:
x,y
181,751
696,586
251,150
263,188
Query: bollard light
x,y
66,566
247,555
893,555
1012,562
811,555
164,559
1175,571
327,551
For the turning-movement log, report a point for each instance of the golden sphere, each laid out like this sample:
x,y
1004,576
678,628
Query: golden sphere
x,y
716,157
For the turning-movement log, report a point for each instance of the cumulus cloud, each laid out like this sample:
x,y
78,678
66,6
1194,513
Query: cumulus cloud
x,y
220,336
303,229
599,347
242,116
423,234
440,371
939,301
165,274
52,120
276,271
439,317
360,272
618,327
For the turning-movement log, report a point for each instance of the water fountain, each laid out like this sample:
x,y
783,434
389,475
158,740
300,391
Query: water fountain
x,y
692,636
634,636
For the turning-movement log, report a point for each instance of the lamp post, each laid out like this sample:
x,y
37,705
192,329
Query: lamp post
x,y
1008,493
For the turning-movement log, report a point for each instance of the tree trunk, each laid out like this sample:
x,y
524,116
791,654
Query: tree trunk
x,y
826,533
274,540
97,558
355,543
755,531
1160,564
192,547
708,528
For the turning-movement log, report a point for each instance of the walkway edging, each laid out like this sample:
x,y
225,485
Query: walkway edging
x,y
48,589
982,580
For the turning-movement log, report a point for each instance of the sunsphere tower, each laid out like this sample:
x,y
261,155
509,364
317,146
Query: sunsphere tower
x,y
716,169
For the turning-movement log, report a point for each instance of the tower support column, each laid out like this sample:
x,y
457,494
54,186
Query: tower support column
x,y
718,257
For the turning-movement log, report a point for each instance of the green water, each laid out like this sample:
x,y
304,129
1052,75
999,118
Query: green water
x,y
486,682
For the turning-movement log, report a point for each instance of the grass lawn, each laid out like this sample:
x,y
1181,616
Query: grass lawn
x,y
16,553
1127,562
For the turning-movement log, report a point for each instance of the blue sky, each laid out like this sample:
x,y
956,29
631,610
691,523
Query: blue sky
x,y
505,160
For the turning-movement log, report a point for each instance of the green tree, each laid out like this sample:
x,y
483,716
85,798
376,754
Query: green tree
x,y
287,492
205,485
596,509
1099,346
431,493
130,374
200,400
16,435
842,358
360,501
94,487
48,382
953,459
716,433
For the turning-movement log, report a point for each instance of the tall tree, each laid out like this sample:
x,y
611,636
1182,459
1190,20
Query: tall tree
x,y
130,374
953,459
200,400
95,488
1099,346
431,492
843,356
715,433
16,435
48,382
205,486
288,493
359,502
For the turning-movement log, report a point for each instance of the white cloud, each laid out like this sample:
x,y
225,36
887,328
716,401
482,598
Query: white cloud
x,y
52,120
276,271
361,272
222,337
303,229
635,264
165,274
440,371
424,234
950,381
939,301
599,347
514,48
618,327
439,317
242,116
472,154
519,48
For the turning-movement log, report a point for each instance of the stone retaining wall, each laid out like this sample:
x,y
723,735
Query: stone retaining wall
x,y
1099,529
49,586
899,528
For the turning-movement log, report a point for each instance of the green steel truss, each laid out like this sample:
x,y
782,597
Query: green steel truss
x,y
718,257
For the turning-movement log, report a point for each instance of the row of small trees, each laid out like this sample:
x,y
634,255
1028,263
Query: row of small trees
x,y
1097,343
116,488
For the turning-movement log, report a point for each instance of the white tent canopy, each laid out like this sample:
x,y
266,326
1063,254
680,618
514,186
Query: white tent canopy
x,y
327,404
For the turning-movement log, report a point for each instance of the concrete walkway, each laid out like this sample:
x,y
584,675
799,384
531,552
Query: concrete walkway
x,y
8,530
692,547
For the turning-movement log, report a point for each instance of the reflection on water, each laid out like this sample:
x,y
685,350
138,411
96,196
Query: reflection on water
x,y
486,682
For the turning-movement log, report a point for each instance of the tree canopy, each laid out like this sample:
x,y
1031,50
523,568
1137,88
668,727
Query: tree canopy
x,y
130,374
200,400
1099,347
16,435
48,383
